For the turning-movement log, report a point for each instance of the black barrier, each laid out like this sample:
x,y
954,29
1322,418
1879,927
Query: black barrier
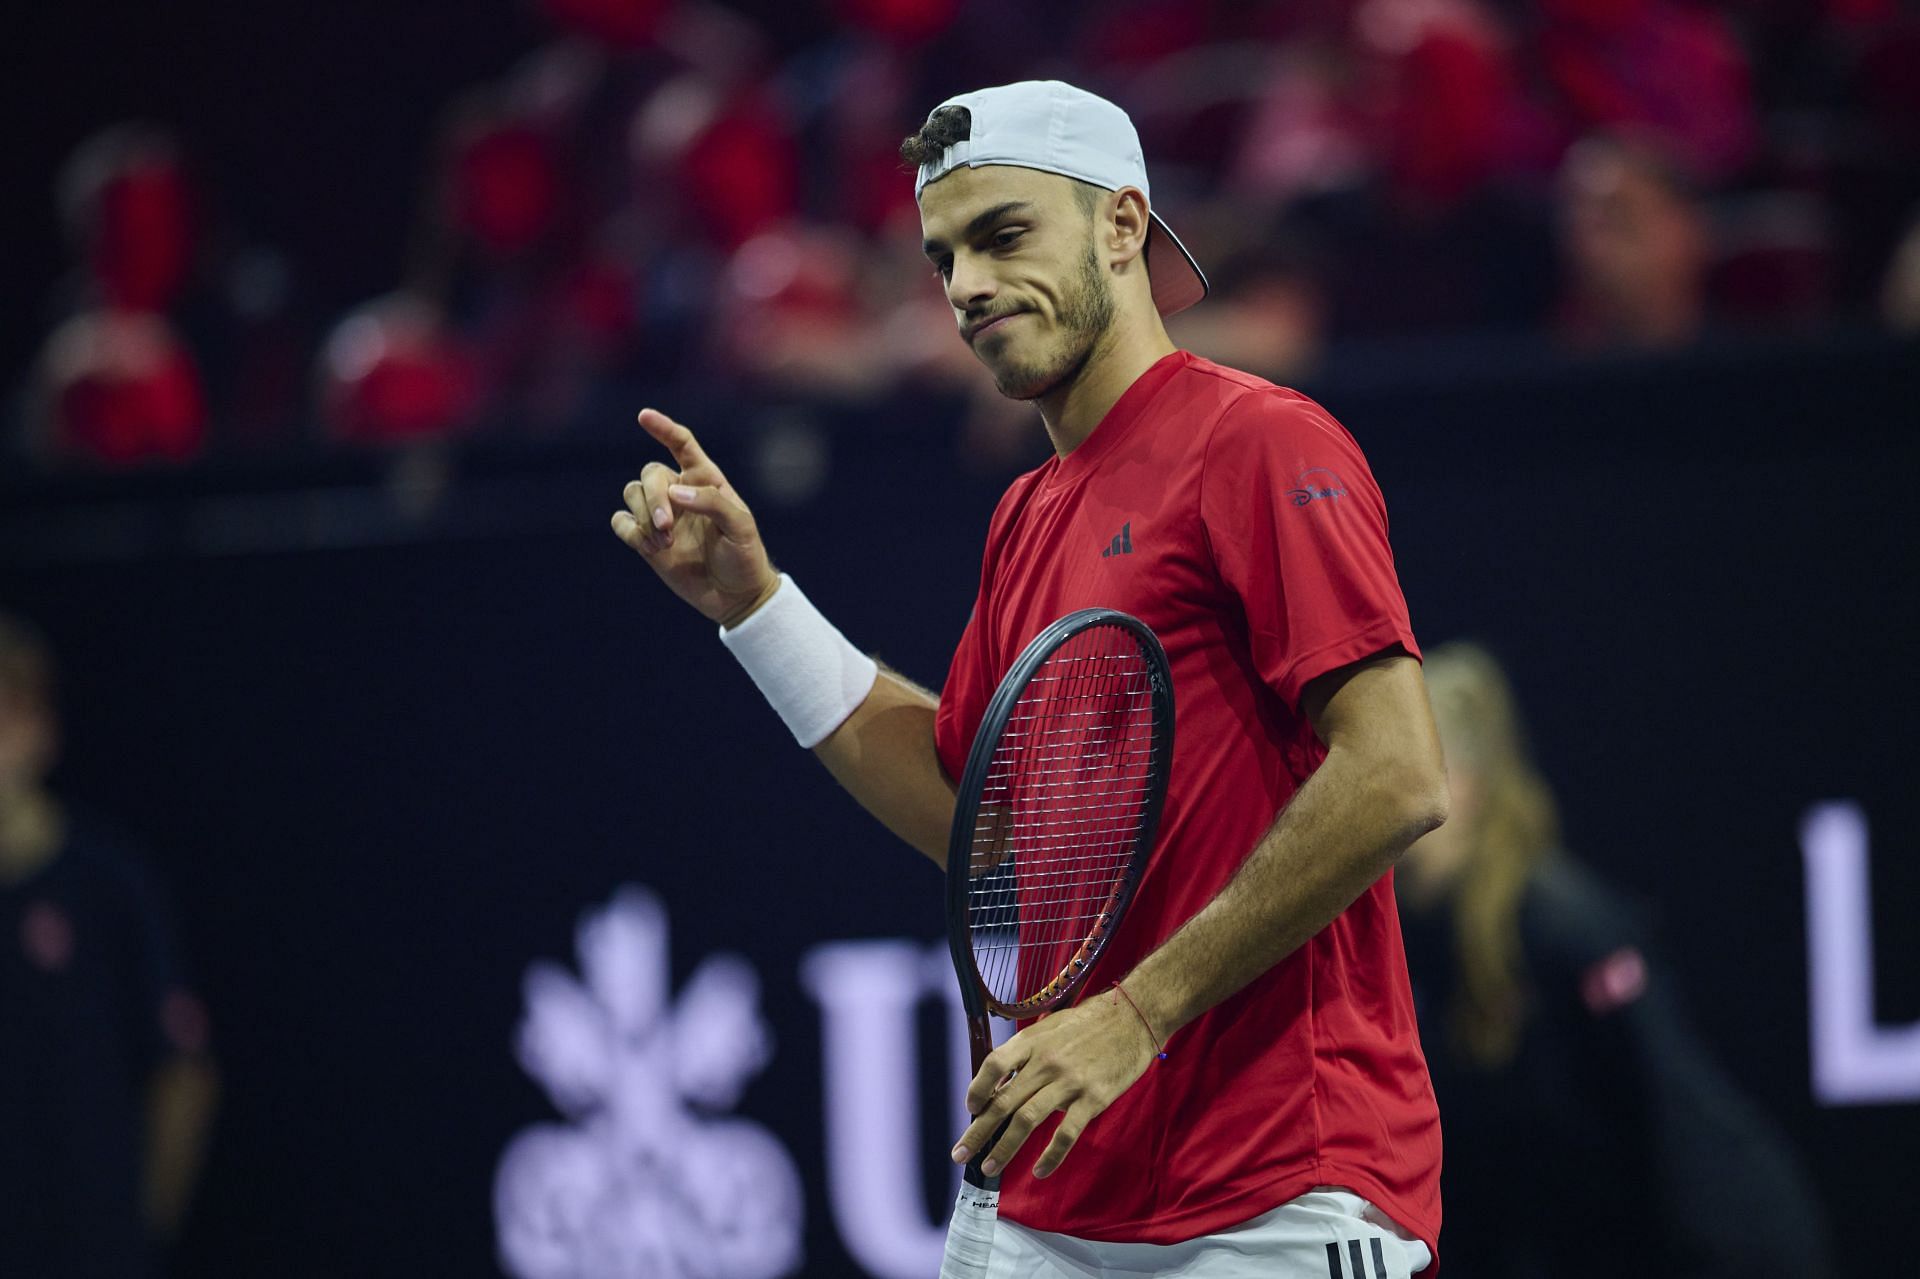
x,y
394,731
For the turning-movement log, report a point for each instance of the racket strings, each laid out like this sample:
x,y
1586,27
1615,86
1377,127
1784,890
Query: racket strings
x,y
1061,811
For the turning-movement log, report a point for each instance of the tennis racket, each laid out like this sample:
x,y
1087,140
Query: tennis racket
x,y
1052,828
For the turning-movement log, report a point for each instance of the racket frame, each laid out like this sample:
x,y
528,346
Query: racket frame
x,y
975,1000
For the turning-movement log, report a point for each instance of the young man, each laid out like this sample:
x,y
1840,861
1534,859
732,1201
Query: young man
x,y
1291,1129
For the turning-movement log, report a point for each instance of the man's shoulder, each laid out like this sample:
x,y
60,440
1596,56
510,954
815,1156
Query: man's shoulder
x,y
1231,381
1240,420
1234,399
1019,490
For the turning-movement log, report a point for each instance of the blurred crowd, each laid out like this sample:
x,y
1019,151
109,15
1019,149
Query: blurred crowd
x,y
680,191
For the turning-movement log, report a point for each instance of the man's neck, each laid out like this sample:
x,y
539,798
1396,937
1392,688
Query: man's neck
x,y
1073,410
31,829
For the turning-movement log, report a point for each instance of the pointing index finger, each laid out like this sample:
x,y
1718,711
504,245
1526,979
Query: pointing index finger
x,y
679,441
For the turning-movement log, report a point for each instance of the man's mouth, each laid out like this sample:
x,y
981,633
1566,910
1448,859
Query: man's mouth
x,y
984,327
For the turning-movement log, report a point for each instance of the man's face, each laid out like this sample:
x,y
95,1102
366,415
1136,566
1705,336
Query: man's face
x,y
1627,234
1016,253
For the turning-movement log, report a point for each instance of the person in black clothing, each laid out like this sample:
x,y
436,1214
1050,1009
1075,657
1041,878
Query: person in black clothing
x,y
106,1086
1588,1131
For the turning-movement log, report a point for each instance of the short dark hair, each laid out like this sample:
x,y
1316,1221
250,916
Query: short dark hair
x,y
948,125
943,128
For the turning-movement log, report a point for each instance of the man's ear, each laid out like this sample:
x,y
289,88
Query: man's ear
x,y
1127,225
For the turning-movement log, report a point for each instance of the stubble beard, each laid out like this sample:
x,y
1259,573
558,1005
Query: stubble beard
x,y
1086,312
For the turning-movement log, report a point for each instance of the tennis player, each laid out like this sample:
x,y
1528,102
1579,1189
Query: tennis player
x,y
1290,1129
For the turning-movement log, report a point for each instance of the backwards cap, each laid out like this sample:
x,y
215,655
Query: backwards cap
x,y
1054,127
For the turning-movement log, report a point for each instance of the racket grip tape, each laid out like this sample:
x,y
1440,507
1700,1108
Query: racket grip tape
x,y
970,1233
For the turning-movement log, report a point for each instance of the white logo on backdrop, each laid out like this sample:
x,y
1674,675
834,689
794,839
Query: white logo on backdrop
x,y
649,1178
869,993
1856,1060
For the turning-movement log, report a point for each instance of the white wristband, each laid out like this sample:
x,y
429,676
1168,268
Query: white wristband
x,y
804,666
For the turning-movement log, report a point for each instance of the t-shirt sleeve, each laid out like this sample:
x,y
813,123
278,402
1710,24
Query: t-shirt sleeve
x,y
1298,531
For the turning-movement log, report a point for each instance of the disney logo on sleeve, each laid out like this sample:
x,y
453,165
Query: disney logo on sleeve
x,y
1314,483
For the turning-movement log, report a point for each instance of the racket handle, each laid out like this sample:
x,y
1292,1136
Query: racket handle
x,y
973,1176
980,1043
970,1233
979,1040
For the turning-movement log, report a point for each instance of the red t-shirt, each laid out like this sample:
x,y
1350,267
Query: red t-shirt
x,y
1239,521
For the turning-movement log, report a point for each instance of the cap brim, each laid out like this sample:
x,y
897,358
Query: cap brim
x,y
1176,278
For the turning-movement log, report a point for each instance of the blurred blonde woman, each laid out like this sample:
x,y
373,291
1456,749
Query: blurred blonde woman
x,y
1587,1130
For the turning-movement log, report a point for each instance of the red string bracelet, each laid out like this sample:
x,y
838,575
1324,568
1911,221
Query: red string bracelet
x,y
1157,1045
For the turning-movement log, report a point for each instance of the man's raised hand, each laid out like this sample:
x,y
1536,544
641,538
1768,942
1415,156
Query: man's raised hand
x,y
691,526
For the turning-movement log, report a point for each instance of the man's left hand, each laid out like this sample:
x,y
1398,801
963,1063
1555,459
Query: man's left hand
x,y
1078,1060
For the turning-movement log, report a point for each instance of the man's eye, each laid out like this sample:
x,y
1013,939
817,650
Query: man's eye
x,y
1004,239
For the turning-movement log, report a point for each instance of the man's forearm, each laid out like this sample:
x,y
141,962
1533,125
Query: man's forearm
x,y
884,755
1343,830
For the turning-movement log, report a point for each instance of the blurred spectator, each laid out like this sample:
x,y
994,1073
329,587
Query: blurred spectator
x,y
856,174
1658,68
790,315
106,1085
739,170
540,302
1303,134
503,190
119,388
1446,98
1400,143
1635,246
132,212
174,328
1900,295
1588,1131
677,189
392,373
115,384
1773,262
522,291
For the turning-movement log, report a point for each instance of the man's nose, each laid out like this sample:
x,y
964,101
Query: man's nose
x,y
970,286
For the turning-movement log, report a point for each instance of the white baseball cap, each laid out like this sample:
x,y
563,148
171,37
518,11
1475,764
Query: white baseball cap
x,y
1054,127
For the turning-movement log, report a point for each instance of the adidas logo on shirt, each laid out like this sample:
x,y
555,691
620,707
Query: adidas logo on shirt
x,y
1122,542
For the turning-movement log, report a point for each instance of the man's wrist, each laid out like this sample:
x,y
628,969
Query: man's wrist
x,y
754,605
1162,1009
813,678
1123,1001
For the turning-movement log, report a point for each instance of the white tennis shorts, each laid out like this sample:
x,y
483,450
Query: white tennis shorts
x,y
1327,1233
